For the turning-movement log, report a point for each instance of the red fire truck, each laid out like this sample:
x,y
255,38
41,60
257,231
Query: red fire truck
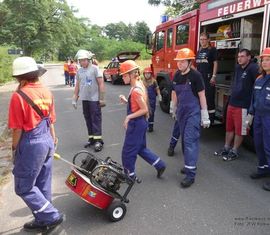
x,y
232,25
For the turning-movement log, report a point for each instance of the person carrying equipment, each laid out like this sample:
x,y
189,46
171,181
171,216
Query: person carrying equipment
x,y
136,122
32,118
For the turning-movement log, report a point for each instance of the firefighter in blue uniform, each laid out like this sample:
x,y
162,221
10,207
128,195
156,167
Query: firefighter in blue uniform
x,y
31,118
136,122
90,89
153,91
188,95
206,62
260,110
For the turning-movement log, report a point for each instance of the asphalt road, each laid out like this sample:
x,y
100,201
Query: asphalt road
x,y
223,200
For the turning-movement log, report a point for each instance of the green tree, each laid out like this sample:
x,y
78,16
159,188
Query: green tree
x,y
140,30
119,31
38,26
176,7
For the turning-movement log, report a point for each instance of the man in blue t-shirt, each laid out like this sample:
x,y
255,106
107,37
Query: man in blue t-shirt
x,y
246,72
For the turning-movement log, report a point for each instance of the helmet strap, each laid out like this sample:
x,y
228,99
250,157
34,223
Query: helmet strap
x,y
187,68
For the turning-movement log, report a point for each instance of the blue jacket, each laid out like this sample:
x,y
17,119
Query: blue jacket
x,y
242,85
260,104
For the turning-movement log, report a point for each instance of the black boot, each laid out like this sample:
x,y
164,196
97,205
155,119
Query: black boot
x,y
266,186
89,143
160,171
150,129
170,151
34,226
183,171
187,182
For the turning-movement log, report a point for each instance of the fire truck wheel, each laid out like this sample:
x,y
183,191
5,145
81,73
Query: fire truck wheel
x,y
166,96
104,78
116,211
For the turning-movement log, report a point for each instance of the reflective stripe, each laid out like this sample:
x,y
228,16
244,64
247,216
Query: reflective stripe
x,y
151,122
262,167
131,174
156,162
212,111
97,137
90,136
190,167
42,208
175,138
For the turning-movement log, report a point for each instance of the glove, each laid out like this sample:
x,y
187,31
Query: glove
x,y
173,110
205,122
249,120
102,103
74,103
159,98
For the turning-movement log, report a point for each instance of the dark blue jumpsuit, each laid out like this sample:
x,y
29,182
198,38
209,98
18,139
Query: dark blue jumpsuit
x,y
135,144
175,134
152,94
189,119
260,108
33,172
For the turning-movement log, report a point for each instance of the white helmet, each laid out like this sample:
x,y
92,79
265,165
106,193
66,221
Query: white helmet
x,y
23,65
84,54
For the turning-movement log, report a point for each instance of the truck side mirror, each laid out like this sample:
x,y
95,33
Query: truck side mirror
x,y
148,43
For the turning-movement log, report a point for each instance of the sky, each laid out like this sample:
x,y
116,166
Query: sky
x,y
103,12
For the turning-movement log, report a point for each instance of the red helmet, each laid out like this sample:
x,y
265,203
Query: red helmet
x,y
147,70
128,66
265,52
185,54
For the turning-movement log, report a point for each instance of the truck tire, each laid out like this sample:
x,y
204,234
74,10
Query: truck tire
x,y
166,96
114,80
104,78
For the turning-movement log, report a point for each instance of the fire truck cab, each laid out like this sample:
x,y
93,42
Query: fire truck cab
x,y
231,25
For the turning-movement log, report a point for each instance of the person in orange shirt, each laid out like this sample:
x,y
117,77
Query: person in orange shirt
x,y
136,123
66,73
31,118
72,70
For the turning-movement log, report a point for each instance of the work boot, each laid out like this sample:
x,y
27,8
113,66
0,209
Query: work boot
x,y
89,143
170,151
150,129
266,186
98,146
256,176
34,226
183,171
160,171
136,179
187,182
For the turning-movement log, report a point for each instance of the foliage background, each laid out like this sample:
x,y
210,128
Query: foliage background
x,y
49,31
